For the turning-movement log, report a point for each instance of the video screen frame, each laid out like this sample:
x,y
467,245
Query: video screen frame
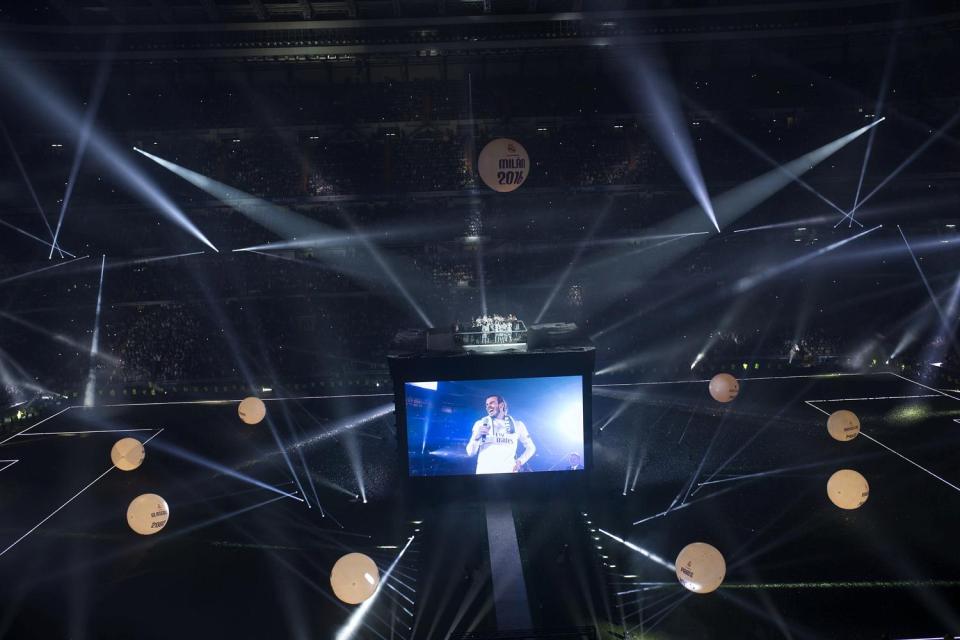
x,y
491,426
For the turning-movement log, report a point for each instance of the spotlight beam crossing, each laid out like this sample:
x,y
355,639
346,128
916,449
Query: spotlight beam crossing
x,y
769,159
189,456
356,618
33,193
646,554
25,82
288,224
748,282
86,127
60,250
881,98
729,207
926,283
903,165
654,91
40,270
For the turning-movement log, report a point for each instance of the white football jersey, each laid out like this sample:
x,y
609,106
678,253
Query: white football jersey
x,y
497,451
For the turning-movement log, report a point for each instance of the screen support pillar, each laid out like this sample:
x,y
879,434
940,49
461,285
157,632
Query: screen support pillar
x,y
506,568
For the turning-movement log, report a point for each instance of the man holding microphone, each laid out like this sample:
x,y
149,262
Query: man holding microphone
x,y
494,440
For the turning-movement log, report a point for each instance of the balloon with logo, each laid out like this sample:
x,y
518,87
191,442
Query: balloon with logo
x,y
503,165
843,425
148,514
700,567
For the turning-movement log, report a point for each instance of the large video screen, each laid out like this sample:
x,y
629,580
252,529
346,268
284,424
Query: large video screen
x,y
513,425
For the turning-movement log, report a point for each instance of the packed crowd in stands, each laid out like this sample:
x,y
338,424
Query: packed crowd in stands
x,y
290,164
400,156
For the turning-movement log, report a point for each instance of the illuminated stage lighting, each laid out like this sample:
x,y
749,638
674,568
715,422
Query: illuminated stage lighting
x,y
352,448
646,554
669,128
728,206
280,220
44,100
734,203
770,160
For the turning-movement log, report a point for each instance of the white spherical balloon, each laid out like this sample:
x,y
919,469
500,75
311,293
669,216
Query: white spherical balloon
x,y
354,578
252,410
148,514
127,454
503,165
848,489
843,425
700,567
724,387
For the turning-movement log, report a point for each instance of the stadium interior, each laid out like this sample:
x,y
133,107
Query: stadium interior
x,y
203,201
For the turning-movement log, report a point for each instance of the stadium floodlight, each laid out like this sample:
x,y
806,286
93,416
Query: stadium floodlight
x,y
25,82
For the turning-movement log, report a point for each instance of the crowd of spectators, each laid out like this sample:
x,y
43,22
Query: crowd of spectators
x,y
400,155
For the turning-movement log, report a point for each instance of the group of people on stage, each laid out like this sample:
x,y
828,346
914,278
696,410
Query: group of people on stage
x,y
494,329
